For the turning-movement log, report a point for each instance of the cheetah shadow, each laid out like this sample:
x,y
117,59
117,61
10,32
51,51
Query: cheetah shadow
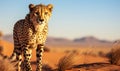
x,y
92,65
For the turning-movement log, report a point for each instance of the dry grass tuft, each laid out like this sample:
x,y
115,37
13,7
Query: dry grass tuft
x,y
6,65
66,62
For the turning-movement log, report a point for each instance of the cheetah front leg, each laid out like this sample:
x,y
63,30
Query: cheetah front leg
x,y
39,53
27,56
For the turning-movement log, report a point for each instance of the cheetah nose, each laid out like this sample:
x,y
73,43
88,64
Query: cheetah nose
x,y
41,20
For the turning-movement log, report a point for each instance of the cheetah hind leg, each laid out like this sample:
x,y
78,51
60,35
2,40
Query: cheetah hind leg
x,y
39,52
17,57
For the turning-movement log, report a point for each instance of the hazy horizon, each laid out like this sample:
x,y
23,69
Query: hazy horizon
x,y
70,19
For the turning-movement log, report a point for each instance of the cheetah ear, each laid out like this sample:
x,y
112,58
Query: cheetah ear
x,y
50,7
31,6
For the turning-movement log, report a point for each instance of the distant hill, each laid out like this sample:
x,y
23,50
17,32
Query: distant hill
x,y
89,41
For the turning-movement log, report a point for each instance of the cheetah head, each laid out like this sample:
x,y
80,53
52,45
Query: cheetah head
x,y
40,14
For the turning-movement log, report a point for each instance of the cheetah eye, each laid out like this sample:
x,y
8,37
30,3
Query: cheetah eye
x,y
46,13
37,13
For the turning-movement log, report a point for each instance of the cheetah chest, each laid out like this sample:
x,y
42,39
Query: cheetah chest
x,y
37,38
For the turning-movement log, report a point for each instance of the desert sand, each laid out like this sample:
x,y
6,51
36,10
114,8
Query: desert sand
x,y
83,62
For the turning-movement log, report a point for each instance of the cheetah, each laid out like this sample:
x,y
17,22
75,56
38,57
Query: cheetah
x,y
31,33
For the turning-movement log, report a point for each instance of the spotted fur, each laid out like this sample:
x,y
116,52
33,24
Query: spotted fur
x,y
31,33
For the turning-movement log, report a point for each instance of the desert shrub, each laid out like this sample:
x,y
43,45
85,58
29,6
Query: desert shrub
x,y
114,54
89,53
109,56
46,67
101,53
71,51
1,50
6,65
46,49
67,51
1,33
66,62
75,51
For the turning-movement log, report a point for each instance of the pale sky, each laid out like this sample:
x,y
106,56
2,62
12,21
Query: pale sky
x,y
70,19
